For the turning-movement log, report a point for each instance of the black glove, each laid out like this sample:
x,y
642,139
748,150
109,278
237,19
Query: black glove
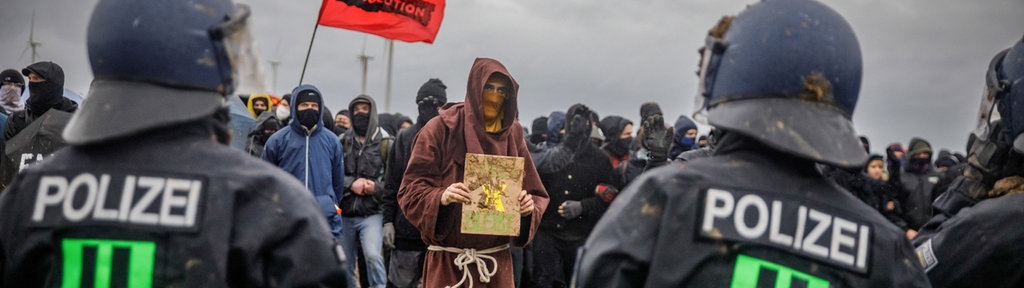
x,y
570,209
657,138
578,133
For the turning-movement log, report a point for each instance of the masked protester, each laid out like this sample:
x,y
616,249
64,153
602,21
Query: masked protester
x,y
408,250
175,206
312,154
365,152
46,91
973,240
12,85
917,180
685,137
342,122
432,192
266,125
258,103
539,131
283,110
748,216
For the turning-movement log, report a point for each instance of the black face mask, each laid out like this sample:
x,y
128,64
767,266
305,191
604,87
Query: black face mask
x,y
619,147
262,138
308,118
427,112
919,165
360,122
43,96
339,130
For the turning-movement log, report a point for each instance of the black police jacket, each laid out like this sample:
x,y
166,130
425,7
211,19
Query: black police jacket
x,y
744,218
164,209
979,246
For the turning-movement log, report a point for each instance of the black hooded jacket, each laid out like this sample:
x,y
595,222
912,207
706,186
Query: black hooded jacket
x,y
364,160
749,216
407,237
204,215
40,101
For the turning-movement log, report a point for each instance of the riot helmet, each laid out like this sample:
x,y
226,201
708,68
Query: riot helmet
x,y
786,73
1005,85
157,63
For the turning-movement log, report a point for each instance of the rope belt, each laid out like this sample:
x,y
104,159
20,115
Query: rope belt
x,y
470,256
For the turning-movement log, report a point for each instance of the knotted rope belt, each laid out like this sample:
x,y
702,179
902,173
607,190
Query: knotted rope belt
x,y
470,256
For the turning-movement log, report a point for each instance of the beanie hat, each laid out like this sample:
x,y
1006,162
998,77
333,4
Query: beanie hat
x,y
11,76
648,109
918,145
306,96
539,126
433,88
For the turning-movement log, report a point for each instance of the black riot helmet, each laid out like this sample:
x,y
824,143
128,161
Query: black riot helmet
x,y
1005,81
157,63
787,73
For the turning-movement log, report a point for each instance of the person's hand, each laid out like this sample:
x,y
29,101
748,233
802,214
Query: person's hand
x,y
657,138
455,193
369,187
525,204
358,187
389,235
570,209
911,233
890,206
578,133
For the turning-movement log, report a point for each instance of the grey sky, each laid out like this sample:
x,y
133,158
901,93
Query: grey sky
x,y
924,60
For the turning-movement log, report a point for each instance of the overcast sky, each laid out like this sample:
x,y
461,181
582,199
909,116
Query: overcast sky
x,y
924,60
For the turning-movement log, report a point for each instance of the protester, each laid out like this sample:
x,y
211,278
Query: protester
x,y
975,241
403,122
46,91
11,88
917,180
706,222
538,131
406,267
556,122
702,141
342,122
685,138
432,191
283,110
266,125
365,148
216,216
618,135
389,123
573,176
258,103
311,153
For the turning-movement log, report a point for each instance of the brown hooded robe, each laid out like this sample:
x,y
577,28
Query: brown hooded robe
x,y
438,160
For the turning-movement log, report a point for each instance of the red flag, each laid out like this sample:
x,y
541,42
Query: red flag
x,y
406,20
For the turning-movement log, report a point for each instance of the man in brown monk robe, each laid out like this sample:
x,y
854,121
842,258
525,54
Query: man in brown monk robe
x,y
432,192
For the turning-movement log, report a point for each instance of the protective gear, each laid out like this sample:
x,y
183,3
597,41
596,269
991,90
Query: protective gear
x,y
136,50
1006,83
571,209
389,235
360,122
787,73
309,118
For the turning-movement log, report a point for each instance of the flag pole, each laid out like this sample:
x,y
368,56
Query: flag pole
x,y
387,94
310,49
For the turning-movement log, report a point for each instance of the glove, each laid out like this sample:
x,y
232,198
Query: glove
x,y
657,138
570,209
389,235
578,133
606,192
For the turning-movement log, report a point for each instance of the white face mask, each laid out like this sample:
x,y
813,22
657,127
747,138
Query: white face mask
x,y
10,93
282,112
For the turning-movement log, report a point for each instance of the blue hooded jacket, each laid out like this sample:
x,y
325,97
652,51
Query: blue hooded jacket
x,y
314,157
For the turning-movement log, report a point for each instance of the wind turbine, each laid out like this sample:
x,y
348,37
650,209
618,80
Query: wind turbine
x,y
365,59
274,63
31,40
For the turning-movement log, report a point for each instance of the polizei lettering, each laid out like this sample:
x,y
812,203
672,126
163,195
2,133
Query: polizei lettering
x,y
130,199
818,233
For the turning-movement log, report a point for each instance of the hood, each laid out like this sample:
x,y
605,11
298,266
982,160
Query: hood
x,y
248,103
295,107
375,121
918,145
556,121
469,115
612,126
262,121
682,124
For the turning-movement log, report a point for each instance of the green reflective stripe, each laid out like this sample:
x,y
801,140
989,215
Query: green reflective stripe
x,y
141,259
748,269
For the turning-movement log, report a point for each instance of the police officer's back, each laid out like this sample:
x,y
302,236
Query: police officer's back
x,y
145,195
780,82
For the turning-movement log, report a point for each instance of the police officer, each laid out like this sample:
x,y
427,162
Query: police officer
x,y
780,82
149,193
980,246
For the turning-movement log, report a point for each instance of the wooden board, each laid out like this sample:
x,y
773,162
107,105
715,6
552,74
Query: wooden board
x,y
494,183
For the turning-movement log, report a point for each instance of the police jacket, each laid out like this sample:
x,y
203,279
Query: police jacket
x,y
575,180
747,217
164,209
363,160
979,246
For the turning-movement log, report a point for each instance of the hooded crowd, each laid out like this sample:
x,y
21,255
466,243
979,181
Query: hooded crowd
x,y
778,190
